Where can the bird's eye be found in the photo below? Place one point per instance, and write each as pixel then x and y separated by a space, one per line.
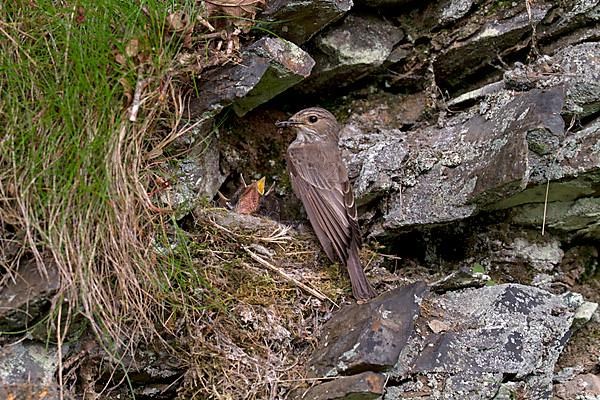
pixel 312 119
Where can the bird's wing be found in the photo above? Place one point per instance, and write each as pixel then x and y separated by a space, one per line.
pixel 320 180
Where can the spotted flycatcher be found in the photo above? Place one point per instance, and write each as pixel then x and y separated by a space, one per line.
pixel 320 179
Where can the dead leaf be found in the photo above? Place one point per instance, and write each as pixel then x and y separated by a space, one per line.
pixel 127 91
pixel 241 11
pixel 205 23
pixel 120 58
pixel 80 18
pixel 438 326
pixel 178 21
pixel 132 48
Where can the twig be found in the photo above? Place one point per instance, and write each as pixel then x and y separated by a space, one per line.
pixel 137 97
pixel 533 28
pixel 545 206
pixel 571 124
pixel 295 281
pixel 212 35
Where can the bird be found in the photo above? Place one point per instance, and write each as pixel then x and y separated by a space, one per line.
pixel 320 180
pixel 249 199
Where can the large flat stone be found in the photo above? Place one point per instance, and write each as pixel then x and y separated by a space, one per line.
pixel 506 335
pixel 351 50
pixel 370 336
pixel 445 174
pixel 27 298
pixel 268 67
pixel 298 21
pixel 364 386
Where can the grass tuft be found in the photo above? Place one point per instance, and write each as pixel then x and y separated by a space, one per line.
pixel 91 97
pixel 73 178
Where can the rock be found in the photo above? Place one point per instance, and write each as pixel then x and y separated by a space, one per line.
pixel 584 314
pixel 454 10
pixel 464 277
pixel 543 256
pixel 511 334
pixel 27 298
pixel 372 159
pixel 297 21
pixel 466 39
pixel 370 336
pixel 152 372
pixel 577 22
pixel 27 371
pixel 584 387
pixel 196 176
pixel 579 216
pixel 465 57
pixel 268 67
pixel 385 3
pixel 351 50
pixel 477 94
pixel 574 67
pixel 438 175
pixel 453 171
pixel 579 263
pixel 382 110
pixel 364 386
pixel 581 72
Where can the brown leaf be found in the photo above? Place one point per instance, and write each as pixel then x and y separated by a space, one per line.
pixel 234 8
pixel 132 48
pixel 127 91
pixel 120 58
pixel 80 17
pixel 178 21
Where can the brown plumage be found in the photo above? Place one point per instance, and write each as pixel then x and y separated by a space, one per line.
pixel 320 179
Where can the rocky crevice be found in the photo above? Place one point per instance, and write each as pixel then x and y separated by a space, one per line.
pixel 468 125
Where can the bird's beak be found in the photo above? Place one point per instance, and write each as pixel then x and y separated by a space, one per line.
pixel 289 122
pixel 260 186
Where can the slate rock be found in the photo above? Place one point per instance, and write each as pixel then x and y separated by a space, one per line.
pixel 454 10
pixel 297 21
pixel 198 175
pixel 370 336
pixel 268 67
pixel 387 3
pixel 27 298
pixel 572 202
pixel 581 71
pixel 499 154
pixel 542 254
pixel 574 67
pixel 350 51
pixel 497 335
pixel 584 314
pixel 364 386
pixel 443 174
pixel 27 371
pixel 463 58
pixel 578 23
pixel 464 277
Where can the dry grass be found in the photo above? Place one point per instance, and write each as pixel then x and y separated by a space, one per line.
pixel 256 345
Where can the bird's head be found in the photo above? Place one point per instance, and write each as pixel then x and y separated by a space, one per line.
pixel 312 125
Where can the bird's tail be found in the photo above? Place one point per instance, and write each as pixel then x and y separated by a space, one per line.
pixel 361 288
